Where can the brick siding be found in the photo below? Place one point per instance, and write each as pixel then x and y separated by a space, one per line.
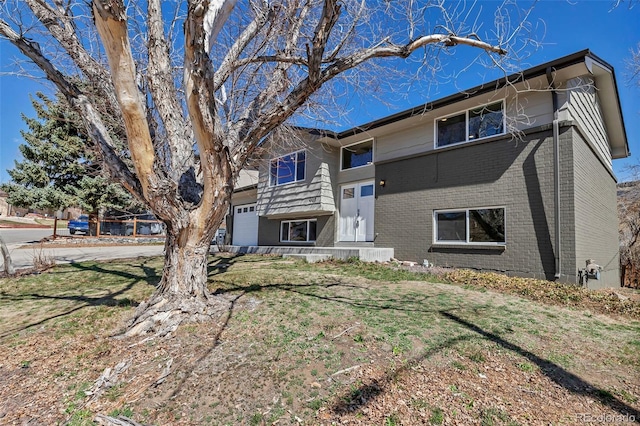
pixel 515 174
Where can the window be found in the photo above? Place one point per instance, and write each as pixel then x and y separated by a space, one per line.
pixel 470 125
pixel 469 226
pixel 366 190
pixel 357 155
pixel 298 230
pixel 286 169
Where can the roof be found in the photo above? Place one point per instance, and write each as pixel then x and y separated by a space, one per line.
pixel 587 62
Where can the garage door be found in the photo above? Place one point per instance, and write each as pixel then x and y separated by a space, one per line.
pixel 245 225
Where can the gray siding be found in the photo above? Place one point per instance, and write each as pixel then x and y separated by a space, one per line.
pixel 244 197
pixel 524 110
pixel 529 109
pixel 596 218
pixel 269 232
pixel 584 109
pixel 516 175
pixel 404 143
pixel 315 194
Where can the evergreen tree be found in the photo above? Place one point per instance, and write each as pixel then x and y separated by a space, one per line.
pixel 59 168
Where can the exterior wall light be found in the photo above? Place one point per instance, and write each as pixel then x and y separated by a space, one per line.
pixel 383 182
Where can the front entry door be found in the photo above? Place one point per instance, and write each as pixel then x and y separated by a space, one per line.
pixel 356 211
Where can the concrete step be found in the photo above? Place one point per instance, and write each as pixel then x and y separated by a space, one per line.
pixel 366 254
pixel 311 258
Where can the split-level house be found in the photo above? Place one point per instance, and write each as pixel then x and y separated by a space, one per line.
pixel 513 176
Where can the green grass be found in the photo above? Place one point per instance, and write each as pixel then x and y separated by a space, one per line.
pixel 437 416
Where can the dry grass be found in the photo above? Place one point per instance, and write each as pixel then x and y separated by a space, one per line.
pixel 335 343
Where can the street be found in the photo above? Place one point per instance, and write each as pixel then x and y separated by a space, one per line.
pixel 23 247
pixel 27 235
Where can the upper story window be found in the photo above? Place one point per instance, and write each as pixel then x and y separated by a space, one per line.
pixel 288 168
pixel 357 155
pixel 470 125
pixel 468 226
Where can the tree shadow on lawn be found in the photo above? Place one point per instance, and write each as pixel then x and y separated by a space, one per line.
pixel 149 276
pixel 188 368
pixel 219 264
pixel 559 375
pixel 362 396
pixel 315 290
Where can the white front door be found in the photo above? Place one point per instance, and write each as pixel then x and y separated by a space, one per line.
pixel 356 211
pixel 245 225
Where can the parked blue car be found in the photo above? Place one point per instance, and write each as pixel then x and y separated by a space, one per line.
pixel 81 224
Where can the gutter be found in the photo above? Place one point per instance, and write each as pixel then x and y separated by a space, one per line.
pixel 556 172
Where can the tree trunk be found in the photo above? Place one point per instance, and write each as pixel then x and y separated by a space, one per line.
pixel 8 264
pixel 182 294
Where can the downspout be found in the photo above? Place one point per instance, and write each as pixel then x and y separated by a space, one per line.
pixel 556 172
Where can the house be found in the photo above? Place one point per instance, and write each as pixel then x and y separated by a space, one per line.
pixel 513 176
pixel 8 209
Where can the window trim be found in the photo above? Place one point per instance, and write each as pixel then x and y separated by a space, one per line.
pixel 373 152
pixel 295 172
pixel 467 242
pixel 466 115
pixel 282 222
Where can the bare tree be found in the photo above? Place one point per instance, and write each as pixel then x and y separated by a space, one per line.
pixel 196 103
pixel 6 257
pixel 629 230
pixel 633 65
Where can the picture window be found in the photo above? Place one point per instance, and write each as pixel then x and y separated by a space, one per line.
pixel 470 226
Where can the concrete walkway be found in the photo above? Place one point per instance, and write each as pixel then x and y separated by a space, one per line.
pixel 22 255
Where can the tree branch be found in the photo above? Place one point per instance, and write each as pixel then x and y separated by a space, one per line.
pixel 328 19
pixel 96 129
pixel 110 21
pixel 165 96
pixel 217 13
pixel 198 82
pixel 403 51
pixel 61 27
pixel 276 115
pixel 229 63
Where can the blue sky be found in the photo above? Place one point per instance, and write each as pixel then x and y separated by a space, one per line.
pixel 563 27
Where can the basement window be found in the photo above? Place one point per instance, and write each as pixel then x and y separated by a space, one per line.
pixel 298 231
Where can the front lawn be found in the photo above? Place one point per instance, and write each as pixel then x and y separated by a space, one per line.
pixel 331 343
